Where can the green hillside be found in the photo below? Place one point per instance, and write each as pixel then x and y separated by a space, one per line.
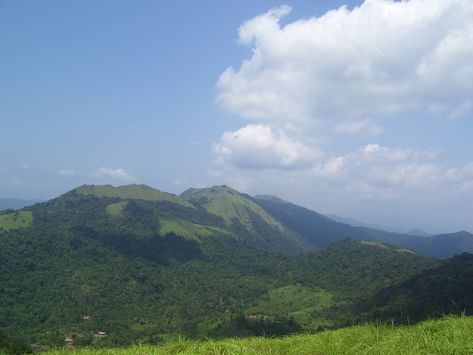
pixel 131 192
pixel 130 265
pixel 447 336
pixel 446 289
pixel 246 219
pixel 229 204
pixel 15 220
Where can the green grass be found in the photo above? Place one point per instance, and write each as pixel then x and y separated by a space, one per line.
pixel 227 203
pixel 450 335
pixel 187 229
pixel 15 220
pixel 296 301
pixel 131 192
pixel 115 209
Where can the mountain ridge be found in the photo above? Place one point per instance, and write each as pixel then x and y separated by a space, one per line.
pixel 131 191
pixel 143 267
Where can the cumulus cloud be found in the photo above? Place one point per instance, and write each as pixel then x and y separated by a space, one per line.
pixel 377 59
pixel 263 147
pixel 382 170
pixel 372 171
pixel 119 174
pixel 380 167
pixel 310 81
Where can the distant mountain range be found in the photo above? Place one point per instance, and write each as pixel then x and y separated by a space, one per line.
pixel 355 223
pixel 15 203
pixel 141 265
pixel 320 230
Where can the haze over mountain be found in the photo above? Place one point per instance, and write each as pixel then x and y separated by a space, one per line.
pixel 323 230
pixel 15 203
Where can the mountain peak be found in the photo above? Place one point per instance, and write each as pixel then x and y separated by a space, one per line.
pixel 221 200
pixel 192 192
pixel 245 217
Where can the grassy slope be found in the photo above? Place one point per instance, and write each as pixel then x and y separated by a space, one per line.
pixel 295 301
pixel 15 220
pixel 136 192
pixel 245 217
pixel 227 203
pixel 450 335
pixel 187 229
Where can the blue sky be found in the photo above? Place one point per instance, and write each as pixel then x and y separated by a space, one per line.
pixel 365 111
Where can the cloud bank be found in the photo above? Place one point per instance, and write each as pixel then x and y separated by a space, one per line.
pixel 311 82
pixel 375 60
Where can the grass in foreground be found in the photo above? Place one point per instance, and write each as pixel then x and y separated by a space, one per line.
pixel 451 335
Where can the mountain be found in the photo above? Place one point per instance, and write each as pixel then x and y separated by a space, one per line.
pixel 15 203
pixel 247 220
pixel 417 232
pixel 356 223
pixel 315 228
pixel 445 289
pixel 142 265
pixel 131 192
pixel 320 230
pixel 437 246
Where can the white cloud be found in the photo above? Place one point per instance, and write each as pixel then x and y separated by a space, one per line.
pixel 119 174
pixel 263 147
pixel 373 171
pixel 463 177
pixel 461 110
pixel 377 59
pixel 364 128
pixel 382 167
pixel 308 81
pixel 68 172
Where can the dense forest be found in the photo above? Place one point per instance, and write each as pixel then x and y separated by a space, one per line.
pixel 141 265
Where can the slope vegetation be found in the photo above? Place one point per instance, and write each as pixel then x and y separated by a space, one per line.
pixel 319 230
pixel 446 289
pixel 131 192
pixel 246 219
pixel 446 336
pixel 134 277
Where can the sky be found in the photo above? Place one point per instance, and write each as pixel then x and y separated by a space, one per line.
pixel 359 108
